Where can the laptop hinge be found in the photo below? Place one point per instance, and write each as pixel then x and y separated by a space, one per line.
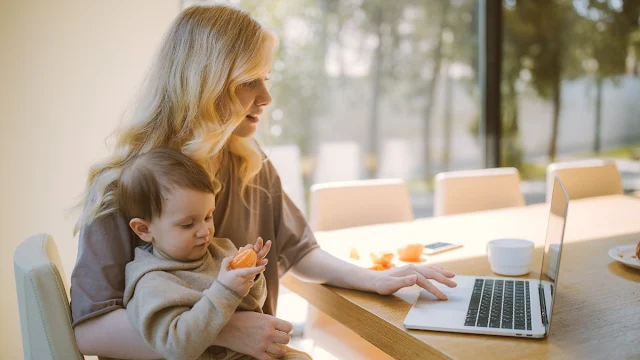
pixel 543 305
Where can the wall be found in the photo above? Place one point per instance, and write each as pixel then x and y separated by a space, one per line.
pixel 69 68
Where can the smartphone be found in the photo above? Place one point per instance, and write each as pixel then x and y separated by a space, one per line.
pixel 438 247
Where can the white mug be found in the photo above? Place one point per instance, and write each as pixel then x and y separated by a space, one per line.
pixel 511 257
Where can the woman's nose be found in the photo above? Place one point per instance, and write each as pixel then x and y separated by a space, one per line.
pixel 263 98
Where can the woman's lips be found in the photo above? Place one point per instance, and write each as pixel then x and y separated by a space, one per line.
pixel 253 119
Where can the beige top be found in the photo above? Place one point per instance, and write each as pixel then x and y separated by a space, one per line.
pixel 179 307
pixel 106 245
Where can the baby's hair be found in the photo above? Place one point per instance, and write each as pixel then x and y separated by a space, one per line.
pixel 142 183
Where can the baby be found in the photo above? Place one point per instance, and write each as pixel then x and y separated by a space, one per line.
pixel 180 290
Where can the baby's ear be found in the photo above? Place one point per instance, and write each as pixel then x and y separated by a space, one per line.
pixel 141 228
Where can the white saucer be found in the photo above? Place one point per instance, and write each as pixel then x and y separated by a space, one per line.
pixel 627 251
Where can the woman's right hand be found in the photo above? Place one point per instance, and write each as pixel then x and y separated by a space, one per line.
pixel 239 280
pixel 255 334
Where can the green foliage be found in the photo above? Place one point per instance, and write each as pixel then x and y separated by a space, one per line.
pixel 555 40
pixel 408 43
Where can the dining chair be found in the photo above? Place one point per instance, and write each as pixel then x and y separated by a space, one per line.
pixel 340 205
pixel 43 303
pixel 458 192
pixel 586 178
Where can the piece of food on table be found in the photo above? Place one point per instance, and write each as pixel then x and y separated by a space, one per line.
pixel 243 259
pixel 638 250
pixel 384 259
pixel 410 253
pixel 382 262
pixel 354 254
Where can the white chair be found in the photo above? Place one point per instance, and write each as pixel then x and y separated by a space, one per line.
pixel 458 192
pixel 45 314
pixel 288 162
pixel 346 204
pixel 586 178
pixel 338 161
pixel 339 205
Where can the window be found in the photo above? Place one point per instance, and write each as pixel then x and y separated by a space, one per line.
pixel 389 85
pixel 570 86
pixel 392 87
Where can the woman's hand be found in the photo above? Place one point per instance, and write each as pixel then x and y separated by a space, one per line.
pixel 392 280
pixel 255 334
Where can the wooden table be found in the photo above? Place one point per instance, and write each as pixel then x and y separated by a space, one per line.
pixel 597 309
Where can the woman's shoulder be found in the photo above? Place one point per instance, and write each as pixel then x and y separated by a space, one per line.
pixel 107 233
pixel 112 223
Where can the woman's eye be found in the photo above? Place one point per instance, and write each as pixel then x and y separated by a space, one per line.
pixel 187 226
pixel 251 83
pixel 208 218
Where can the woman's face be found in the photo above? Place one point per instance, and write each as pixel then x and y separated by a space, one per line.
pixel 253 96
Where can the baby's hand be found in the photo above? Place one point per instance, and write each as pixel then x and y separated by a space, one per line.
pixel 239 280
pixel 262 250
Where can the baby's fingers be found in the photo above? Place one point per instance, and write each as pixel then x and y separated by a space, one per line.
pixel 225 263
pixel 250 272
pixel 258 245
pixel 248 246
pixel 265 250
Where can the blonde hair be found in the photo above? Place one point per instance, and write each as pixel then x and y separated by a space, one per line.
pixel 188 101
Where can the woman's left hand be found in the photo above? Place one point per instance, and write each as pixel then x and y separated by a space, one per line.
pixel 392 280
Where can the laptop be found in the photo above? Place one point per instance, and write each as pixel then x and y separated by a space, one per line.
pixel 500 305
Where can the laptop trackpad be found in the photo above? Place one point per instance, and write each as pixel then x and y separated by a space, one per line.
pixel 458 299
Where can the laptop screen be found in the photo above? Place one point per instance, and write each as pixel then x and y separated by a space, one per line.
pixel 553 243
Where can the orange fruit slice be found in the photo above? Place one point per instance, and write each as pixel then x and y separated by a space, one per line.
pixel 384 259
pixel 243 259
pixel 410 253
pixel 354 254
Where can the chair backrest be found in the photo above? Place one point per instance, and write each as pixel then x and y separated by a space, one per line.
pixel 465 191
pixel 45 314
pixel 337 161
pixel 288 162
pixel 357 203
pixel 586 178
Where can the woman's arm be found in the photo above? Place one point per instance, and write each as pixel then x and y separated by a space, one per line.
pixel 98 335
pixel 101 326
pixel 321 267
pixel 248 332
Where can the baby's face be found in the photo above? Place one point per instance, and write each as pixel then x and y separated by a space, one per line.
pixel 185 228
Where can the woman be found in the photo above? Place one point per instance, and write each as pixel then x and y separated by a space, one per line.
pixel 204 96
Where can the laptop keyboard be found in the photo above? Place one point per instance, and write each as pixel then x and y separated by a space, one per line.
pixel 501 304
